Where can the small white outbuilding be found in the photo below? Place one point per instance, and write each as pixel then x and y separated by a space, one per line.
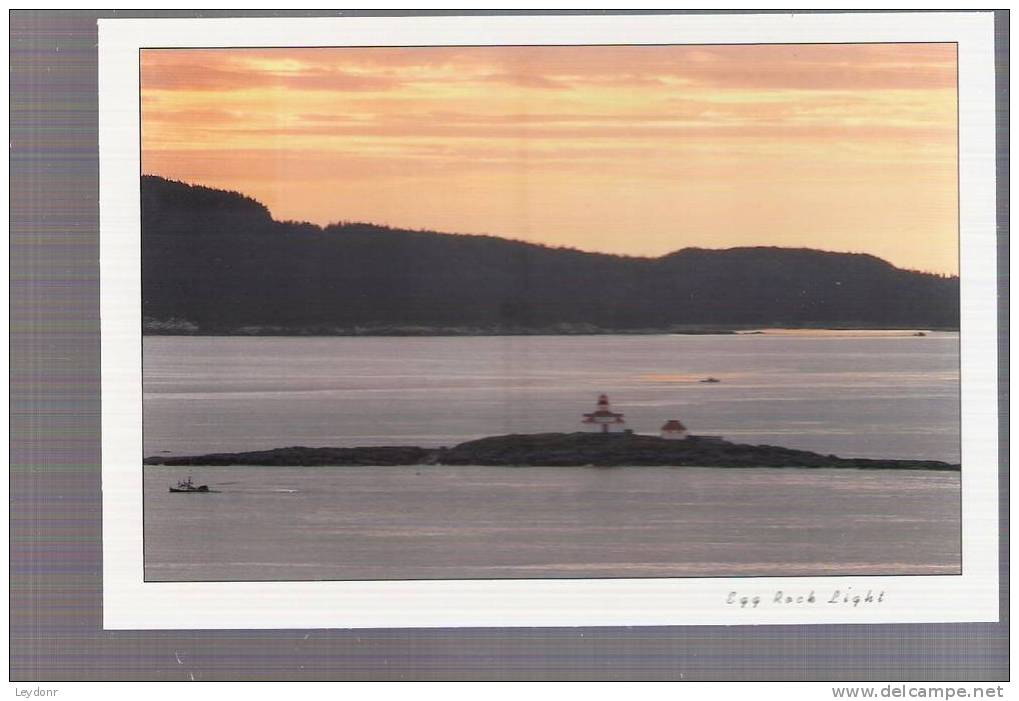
pixel 674 430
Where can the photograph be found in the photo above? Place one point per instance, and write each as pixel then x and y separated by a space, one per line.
pixel 499 346
pixel 550 312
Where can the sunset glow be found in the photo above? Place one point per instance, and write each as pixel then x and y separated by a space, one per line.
pixel 632 150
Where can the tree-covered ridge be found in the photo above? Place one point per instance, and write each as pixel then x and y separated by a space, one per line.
pixel 216 262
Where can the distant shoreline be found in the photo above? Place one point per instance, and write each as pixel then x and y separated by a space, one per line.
pixel 216 261
pixel 181 328
pixel 556 450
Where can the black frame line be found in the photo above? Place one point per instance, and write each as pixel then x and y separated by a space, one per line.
pixel 958 184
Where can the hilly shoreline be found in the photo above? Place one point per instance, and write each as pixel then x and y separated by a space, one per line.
pixel 216 263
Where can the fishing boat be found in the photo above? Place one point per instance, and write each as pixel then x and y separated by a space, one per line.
pixel 188 486
pixel 710 380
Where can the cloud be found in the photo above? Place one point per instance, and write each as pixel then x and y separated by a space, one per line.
pixel 655 138
pixel 203 116
pixel 523 80
pixel 822 67
pixel 223 71
pixel 637 131
pixel 762 67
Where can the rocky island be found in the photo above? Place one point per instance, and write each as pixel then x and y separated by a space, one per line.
pixel 558 450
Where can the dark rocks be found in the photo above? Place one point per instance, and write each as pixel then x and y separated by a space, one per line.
pixel 621 449
pixel 560 449
pixel 299 455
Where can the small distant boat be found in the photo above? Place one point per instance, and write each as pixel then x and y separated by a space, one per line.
pixel 188 486
pixel 919 333
pixel 710 380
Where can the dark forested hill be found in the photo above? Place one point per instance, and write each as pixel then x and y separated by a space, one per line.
pixel 216 262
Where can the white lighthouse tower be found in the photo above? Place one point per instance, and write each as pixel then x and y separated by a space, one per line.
pixel 604 417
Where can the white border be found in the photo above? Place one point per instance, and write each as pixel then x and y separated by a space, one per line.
pixel 130 603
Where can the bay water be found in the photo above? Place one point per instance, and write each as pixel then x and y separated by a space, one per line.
pixel 854 394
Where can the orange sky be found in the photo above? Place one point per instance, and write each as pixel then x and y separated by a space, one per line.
pixel 635 150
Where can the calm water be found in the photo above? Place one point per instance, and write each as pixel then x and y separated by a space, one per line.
pixel 860 395
pixel 863 396
pixel 503 522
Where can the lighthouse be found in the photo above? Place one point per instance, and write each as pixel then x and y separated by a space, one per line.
pixel 603 416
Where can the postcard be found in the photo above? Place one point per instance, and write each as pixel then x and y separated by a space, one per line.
pixel 548 321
